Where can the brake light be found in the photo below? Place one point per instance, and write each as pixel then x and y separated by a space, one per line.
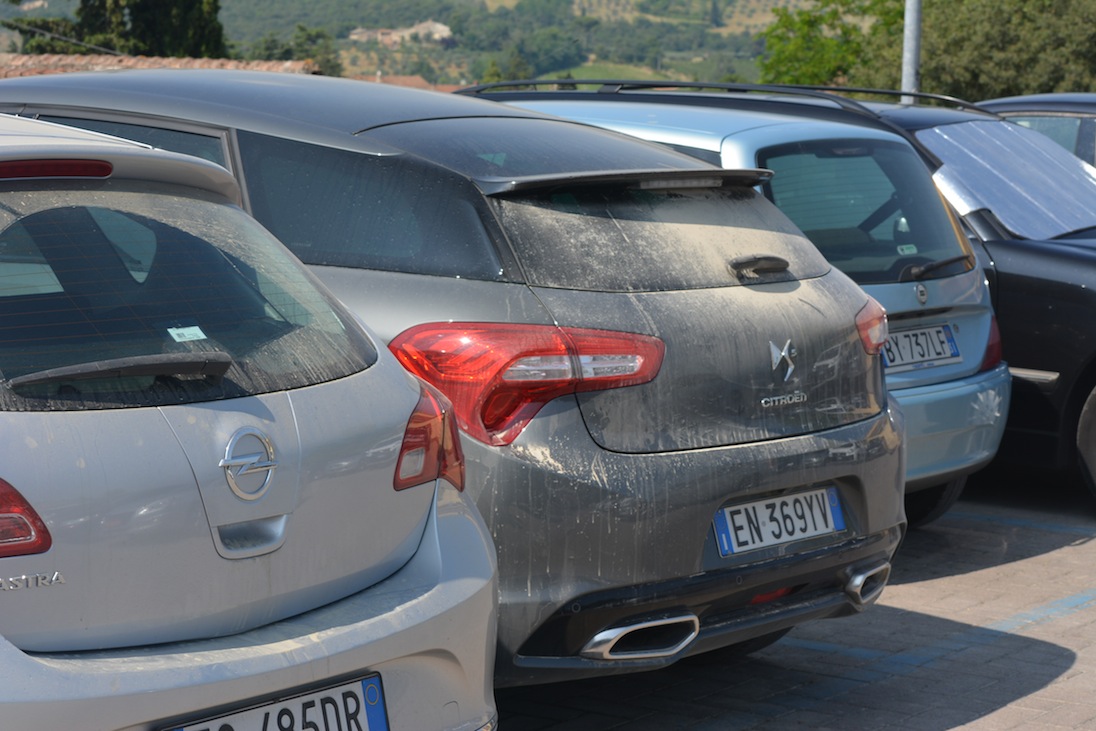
pixel 13 169
pixel 871 322
pixel 22 531
pixel 993 354
pixel 499 375
pixel 431 444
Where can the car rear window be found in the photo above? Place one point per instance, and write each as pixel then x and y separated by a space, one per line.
pixel 336 207
pixel 869 206
pixel 112 296
pixel 627 239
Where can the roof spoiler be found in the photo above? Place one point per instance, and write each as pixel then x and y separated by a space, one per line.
pixel 660 179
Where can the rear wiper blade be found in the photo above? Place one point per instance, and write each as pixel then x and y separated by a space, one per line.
pixel 920 272
pixel 212 364
pixel 756 265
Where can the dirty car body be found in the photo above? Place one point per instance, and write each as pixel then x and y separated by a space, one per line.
pixel 219 505
pixel 863 196
pixel 672 407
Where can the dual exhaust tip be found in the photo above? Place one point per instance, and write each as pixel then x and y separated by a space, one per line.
pixel 666 636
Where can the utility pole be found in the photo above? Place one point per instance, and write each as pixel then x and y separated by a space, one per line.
pixel 911 50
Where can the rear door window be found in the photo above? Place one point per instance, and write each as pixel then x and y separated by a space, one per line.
pixel 336 207
pixel 869 206
pixel 204 146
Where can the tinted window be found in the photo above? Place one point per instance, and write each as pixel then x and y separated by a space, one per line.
pixel 341 208
pixel 870 207
pixel 203 146
pixel 627 240
pixel 130 292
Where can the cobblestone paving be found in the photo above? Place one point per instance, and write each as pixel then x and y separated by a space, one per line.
pixel 989 622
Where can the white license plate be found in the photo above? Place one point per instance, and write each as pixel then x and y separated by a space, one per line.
pixel 924 348
pixel 765 523
pixel 357 705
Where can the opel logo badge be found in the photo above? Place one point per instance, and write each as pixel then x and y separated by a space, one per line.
pixel 783 356
pixel 249 463
pixel 922 293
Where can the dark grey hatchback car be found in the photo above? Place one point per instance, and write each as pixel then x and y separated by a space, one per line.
pixel 674 404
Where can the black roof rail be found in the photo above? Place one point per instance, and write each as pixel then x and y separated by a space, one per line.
pixel 612 86
pixel 838 95
pixel 927 96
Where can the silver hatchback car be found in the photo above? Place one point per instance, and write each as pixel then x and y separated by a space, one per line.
pixel 864 197
pixel 672 407
pixel 222 505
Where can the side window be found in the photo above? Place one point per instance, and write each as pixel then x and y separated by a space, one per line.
pixel 337 207
pixel 203 146
pixel 134 243
pixel 1063 130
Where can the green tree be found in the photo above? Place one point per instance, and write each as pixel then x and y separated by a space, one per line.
pixel 319 46
pixel 819 44
pixel 972 49
pixel 133 27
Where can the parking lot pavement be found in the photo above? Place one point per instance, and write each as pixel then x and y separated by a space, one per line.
pixel 989 622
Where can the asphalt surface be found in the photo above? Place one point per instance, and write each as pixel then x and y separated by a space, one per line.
pixel 989 622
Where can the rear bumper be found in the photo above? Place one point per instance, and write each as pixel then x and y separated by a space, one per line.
pixel 719 605
pixel 428 630
pixel 955 428
pixel 633 533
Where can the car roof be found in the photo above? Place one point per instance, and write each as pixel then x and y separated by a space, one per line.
pixel 23 140
pixel 1059 102
pixel 701 126
pixel 252 100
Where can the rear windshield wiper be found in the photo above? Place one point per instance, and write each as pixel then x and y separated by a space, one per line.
pixel 212 364
pixel 920 272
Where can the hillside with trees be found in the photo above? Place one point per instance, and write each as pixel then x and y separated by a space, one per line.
pixel 970 49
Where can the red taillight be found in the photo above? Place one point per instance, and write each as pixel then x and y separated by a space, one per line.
pixel 498 375
pixel 13 169
pixel 993 354
pixel 22 532
pixel 871 322
pixel 431 444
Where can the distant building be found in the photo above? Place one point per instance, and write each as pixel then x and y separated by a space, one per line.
pixel 428 30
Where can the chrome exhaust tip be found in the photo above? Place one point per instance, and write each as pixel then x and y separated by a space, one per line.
pixel 644 640
pixel 865 586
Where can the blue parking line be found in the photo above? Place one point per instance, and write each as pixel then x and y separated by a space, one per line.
pixel 884 666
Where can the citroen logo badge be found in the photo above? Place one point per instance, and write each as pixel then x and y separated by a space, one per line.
pixel 922 293
pixel 783 356
pixel 249 463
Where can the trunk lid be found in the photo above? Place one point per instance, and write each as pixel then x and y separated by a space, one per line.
pixel 153 545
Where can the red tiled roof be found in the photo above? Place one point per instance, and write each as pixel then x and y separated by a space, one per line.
pixel 28 64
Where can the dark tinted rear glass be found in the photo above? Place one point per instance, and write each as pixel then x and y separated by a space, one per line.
pixel 490 147
pixel 199 145
pixel 633 240
pixel 869 206
pixel 113 297
pixel 341 208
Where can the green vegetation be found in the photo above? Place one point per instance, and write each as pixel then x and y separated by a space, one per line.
pixel 970 48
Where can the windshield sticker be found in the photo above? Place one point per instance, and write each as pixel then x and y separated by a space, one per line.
pixel 186 334
pixel 907 249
